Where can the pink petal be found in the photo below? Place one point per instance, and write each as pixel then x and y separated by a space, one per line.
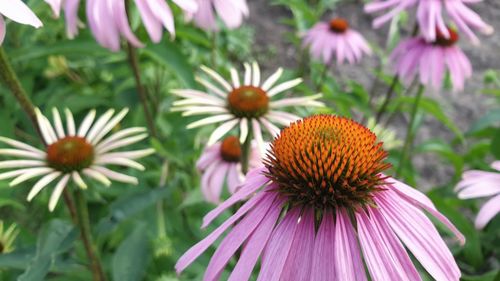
pixel 299 261
pixel 255 244
pixel 323 263
pixel 385 257
pixel 419 236
pixel 2 30
pixel 417 198
pixel 348 262
pixel 278 247
pixel 256 179
pixel 198 249
pixel 487 212
pixel 236 237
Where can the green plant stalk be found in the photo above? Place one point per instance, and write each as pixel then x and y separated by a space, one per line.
pixel 409 139
pixel 322 78
pixel 141 91
pixel 388 97
pixel 11 81
pixel 86 234
pixel 245 152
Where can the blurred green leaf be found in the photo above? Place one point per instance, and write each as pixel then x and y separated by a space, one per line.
pixel 490 119
pixel 495 144
pixel 54 239
pixel 170 56
pixel 445 151
pixel 132 257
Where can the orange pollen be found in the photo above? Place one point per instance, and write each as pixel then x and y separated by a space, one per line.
pixel 441 40
pixel 339 25
pixel 248 101
pixel 230 149
pixel 327 161
pixel 70 154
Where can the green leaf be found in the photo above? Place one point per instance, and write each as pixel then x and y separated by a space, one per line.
pixel 495 144
pixel 444 150
pixel 490 119
pixel 54 239
pixel 131 259
pixel 170 56
pixel 129 205
pixel 432 107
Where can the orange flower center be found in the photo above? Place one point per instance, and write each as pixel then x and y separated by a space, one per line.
pixel 248 101
pixel 327 161
pixel 230 149
pixel 339 25
pixel 70 154
pixel 441 40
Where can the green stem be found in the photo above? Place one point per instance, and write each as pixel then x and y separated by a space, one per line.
pixel 214 49
pixel 11 81
pixel 84 225
pixel 141 91
pixel 388 97
pixel 409 138
pixel 246 150
pixel 322 78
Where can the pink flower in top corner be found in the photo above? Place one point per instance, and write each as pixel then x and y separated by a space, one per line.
pixel 108 19
pixel 430 15
pixel 477 184
pixel 223 161
pixel 231 12
pixel 321 209
pixel 17 11
pixel 70 14
pixel 431 60
pixel 336 40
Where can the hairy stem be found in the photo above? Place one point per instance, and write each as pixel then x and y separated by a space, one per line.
pixel 86 234
pixel 409 134
pixel 11 81
pixel 141 91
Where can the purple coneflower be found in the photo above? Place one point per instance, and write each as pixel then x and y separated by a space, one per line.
pixel 108 19
pixel 245 103
pixel 414 56
pixel 17 11
pixel 321 206
pixel 231 12
pixel 430 15
pixel 335 39
pixel 477 184
pixel 71 153
pixel 223 161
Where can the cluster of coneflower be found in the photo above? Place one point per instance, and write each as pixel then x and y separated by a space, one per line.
pixel 316 202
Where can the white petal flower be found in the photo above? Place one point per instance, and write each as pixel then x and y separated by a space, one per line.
pixel 242 103
pixel 73 152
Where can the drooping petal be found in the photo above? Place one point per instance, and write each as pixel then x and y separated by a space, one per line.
pixel 279 246
pixel 19 12
pixel 489 210
pixel 323 263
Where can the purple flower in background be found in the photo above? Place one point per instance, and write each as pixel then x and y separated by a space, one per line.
pixel 431 60
pixel 231 12
pixel 430 15
pixel 477 184
pixel 223 161
pixel 70 14
pixel 321 206
pixel 17 11
pixel 335 39
pixel 109 22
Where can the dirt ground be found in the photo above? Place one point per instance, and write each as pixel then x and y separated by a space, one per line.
pixel 463 108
